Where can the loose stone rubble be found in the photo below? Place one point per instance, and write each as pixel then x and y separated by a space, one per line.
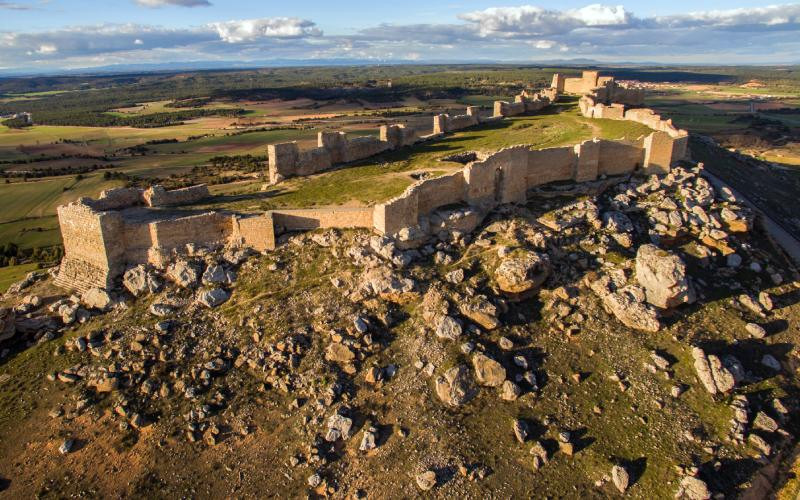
pixel 502 316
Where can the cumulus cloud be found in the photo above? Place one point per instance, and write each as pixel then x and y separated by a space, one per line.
pixel 523 33
pixel 179 3
pixel 250 30
pixel 537 21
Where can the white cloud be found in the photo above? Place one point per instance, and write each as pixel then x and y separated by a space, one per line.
pixel 532 20
pixel 525 33
pixel 250 30
pixel 47 48
pixel 544 44
pixel 179 3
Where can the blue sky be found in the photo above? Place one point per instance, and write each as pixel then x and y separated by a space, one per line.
pixel 39 34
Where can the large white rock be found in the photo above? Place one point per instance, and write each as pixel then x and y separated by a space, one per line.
pixel 97 298
pixel 139 280
pixel 663 276
pixel 183 274
pixel 213 298
pixel 455 388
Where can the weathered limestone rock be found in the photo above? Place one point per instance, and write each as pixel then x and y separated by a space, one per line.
pixel 217 275
pixel 509 391
pixel 139 281
pixel 383 282
pixel 213 298
pixel 663 276
pixel 339 427
pixel 523 272
pixel 183 274
pixel 434 304
pixel 481 311
pixel 717 376
pixel 7 325
pixel 455 388
pixel 448 328
pixel 693 488
pixel 426 480
pixel 97 298
pixel 339 353
pixel 765 423
pixel 620 477
pixel 488 371
pixel 626 304
pixel 520 428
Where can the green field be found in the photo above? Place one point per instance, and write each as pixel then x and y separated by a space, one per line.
pixel 11 274
pixel 27 209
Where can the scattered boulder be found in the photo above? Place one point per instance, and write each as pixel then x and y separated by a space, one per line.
pixel 520 428
pixel 7 323
pixel 434 304
pixel 368 439
pixel 183 274
pixel 339 353
pixel 426 480
pixel 339 427
pixel 626 304
pixel 765 423
pixel 488 372
pixel 383 282
pixel 455 388
pixel 522 272
pixel 663 276
pixel 139 281
pixel 217 275
pixel 509 391
pixel 693 488
pixel 66 446
pixel 213 298
pixel 448 328
pixel 97 298
pixel 481 311
pixel 755 330
pixel 620 478
pixel 717 376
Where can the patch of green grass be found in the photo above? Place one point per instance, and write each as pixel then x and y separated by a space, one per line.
pixel 11 274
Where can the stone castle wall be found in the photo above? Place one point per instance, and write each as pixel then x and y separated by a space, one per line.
pixel 288 160
pixel 604 88
pixel 124 227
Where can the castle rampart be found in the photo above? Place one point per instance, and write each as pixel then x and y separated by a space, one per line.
pixel 128 226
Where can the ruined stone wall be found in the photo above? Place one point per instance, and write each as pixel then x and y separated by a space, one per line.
pixel 399 135
pixel 93 246
pixel 364 147
pixel 506 176
pixel 115 199
pixel 550 165
pixel 208 229
pixel 314 218
pixel 439 191
pixel 254 231
pixel 617 158
pixel 311 161
pixel 158 196
pixel 505 108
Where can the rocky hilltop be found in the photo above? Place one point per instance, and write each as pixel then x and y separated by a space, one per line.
pixel 627 336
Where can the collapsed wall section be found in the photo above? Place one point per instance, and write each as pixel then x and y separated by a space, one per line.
pixel 158 196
